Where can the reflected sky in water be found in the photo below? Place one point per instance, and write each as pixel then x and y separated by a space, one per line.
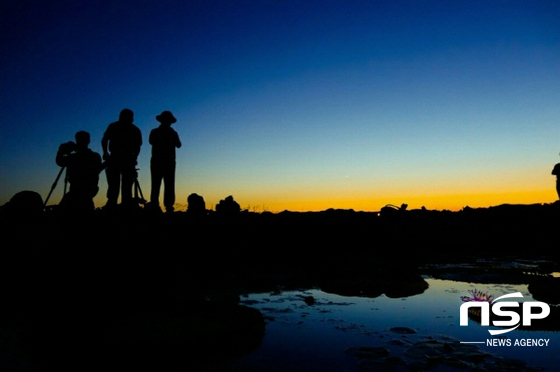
pixel 315 337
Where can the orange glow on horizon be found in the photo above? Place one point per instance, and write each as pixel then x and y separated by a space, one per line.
pixel 452 202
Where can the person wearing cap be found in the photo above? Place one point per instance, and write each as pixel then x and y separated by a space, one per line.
pixel 164 141
pixel 121 145
pixel 556 172
pixel 82 172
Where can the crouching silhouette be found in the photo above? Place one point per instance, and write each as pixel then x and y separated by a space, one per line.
pixel 82 173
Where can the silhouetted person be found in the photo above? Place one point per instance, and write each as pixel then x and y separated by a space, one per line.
pixel 121 145
pixel 228 207
pixel 164 141
pixel 82 172
pixel 23 203
pixel 196 205
pixel 556 172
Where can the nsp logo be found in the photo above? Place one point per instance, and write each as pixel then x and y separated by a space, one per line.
pixel 498 309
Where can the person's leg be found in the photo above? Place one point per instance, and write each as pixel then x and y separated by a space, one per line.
pixel 169 193
pixel 156 176
pixel 113 184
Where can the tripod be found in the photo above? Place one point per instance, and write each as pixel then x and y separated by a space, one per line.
pixel 138 195
pixel 54 185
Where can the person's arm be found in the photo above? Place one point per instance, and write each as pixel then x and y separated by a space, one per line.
pixel 101 165
pixel 139 142
pixel 104 142
pixel 177 140
pixel 61 157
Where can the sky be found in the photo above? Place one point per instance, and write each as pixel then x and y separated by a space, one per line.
pixel 294 105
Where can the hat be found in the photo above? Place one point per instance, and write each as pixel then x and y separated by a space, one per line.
pixel 166 117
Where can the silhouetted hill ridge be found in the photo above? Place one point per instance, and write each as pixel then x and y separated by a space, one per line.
pixel 417 232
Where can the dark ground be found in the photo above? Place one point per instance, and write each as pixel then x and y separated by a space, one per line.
pixel 139 285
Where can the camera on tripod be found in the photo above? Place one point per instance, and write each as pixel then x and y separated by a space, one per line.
pixel 68 147
pixel 138 195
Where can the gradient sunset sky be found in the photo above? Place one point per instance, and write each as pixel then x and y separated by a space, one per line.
pixel 297 105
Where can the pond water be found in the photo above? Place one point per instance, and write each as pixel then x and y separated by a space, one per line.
pixel 311 330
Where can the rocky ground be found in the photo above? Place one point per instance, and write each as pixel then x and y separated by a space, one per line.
pixel 101 285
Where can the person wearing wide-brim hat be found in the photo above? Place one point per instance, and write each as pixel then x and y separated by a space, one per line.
pixel 164 141
pixel 166 117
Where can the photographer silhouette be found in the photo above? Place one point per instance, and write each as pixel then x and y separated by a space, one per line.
pixel 121 144
pixel 82 172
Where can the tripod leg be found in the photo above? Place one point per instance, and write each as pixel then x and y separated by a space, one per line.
pixel 65 182
pixel 137 190
pixel 54 186
pixel 135 186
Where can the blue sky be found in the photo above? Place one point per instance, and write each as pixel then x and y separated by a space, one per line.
pixel 299 105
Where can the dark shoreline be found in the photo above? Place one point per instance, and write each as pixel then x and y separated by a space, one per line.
pixel 127 274
pixel 254 251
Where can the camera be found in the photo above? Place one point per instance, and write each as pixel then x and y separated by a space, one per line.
pixel 67 147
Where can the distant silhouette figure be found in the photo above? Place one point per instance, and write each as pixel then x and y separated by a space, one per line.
pixel 121 145
pixel 24 203
pixel 228 207
pixel 164 141
pixel 556 172
pixel 82 172
pixel 196 205
pixel 393 210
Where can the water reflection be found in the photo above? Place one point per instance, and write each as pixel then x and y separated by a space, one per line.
pixel 317 330
pixel 348 281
